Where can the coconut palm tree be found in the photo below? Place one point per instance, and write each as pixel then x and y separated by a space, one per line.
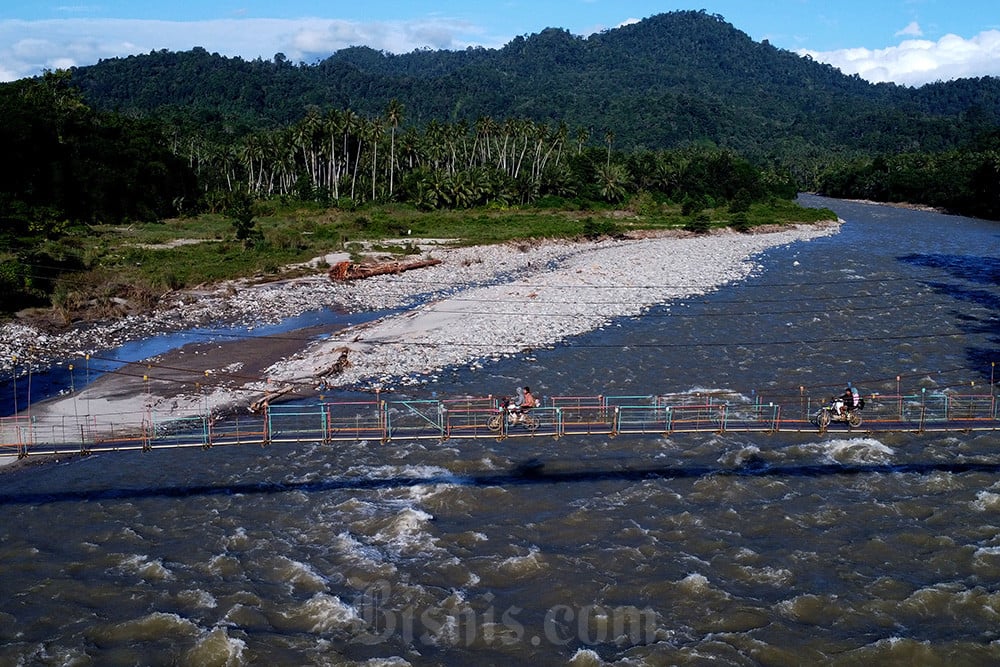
pixel 306 132
pixel 333 122
pixel 352 128
pixel 393 116
pixel 582 137
pixel 613 182
pixel 375 131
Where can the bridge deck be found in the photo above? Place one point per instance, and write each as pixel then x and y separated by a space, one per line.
pixel 467 418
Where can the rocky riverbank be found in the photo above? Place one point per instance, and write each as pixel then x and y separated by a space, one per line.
pixel 530 298
pixel 479 303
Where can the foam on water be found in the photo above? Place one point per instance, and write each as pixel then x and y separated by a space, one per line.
pixel 773 576
pixel 216 648
pixel 198 598
pixel 354 507
pixel 223 565
pixel 392 661
pixel 523 564
pixel 986 501
pixel 695 584
pixel 152 627
pixel 366 557
pixel 408 471
pixel 907 651
pixel 987 552
pixel 404 534
pixel 141 565
pixel 952 601
pixel 585 657
pixel 299 576
pixel 46 654
pixel 699 390
pixel 853 450
pixel 746 455
pixel 811 609
pixel 322 613
pixel 238 541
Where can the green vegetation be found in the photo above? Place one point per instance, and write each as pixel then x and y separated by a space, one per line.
pixel 118 270
pixel 328 181
pixel 963 181
pixel 267 163
pixel 671 80
pixel 679 79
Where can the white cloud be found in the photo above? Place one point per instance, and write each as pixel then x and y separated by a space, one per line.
pixel 28 47
pixel 911 30
pixel 915 62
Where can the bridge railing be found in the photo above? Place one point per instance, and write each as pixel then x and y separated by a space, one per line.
pixel 355 420
pixel 16 435
pixel 468 417
pixel 927 409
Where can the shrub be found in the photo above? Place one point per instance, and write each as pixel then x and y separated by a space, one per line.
pixel 690 206
pixel 700 224
pixel 741 223
pixel 593 229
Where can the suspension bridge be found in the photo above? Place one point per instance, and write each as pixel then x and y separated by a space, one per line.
pixel 387 421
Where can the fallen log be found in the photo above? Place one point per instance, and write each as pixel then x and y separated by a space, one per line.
pixel 338 366
pixel 261 403
pixel 355 271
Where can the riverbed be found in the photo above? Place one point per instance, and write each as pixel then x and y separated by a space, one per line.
pixel 681 549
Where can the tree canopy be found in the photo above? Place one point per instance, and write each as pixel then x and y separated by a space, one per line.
pixel 670 80
pixel 680 108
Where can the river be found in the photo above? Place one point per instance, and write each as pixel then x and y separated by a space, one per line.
pixel 689 549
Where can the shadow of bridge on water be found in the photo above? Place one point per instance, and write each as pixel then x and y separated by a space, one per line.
pixel 531 472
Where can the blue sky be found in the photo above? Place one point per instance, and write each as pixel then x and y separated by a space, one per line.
pixel 910 42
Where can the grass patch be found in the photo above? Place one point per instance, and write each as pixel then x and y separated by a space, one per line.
pixel 139 261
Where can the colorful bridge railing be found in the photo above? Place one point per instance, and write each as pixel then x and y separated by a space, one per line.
pixel 385 421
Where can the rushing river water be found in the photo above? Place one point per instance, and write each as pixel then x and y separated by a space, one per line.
pixel 688 549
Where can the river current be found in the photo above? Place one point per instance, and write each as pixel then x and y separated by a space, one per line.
pixel 698 549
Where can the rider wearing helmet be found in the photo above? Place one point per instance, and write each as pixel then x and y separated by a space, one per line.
pixel 845 400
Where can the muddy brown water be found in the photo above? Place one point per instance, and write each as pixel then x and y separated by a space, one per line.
pixel 683 549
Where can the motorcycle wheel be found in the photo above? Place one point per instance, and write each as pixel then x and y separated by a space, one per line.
pixel 824 419
pixel 854 419
pixel 495 422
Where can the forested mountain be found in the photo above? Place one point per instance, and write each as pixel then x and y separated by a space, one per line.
pixel 666 81
pixel 679 116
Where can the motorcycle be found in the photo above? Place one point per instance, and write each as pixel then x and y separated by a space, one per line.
pixel 828 413
pixel 514 417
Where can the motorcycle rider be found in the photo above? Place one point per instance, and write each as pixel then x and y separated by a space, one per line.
pixel 845 400
pixel 525 401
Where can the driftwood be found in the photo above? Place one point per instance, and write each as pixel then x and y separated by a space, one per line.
pixel 261 403
pixel 338 366
pixel 354 271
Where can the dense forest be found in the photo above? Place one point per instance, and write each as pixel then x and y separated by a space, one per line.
pixel 672 80
pixel 666 81
pixel 77 169
pixel 965 180
pixel 680 108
